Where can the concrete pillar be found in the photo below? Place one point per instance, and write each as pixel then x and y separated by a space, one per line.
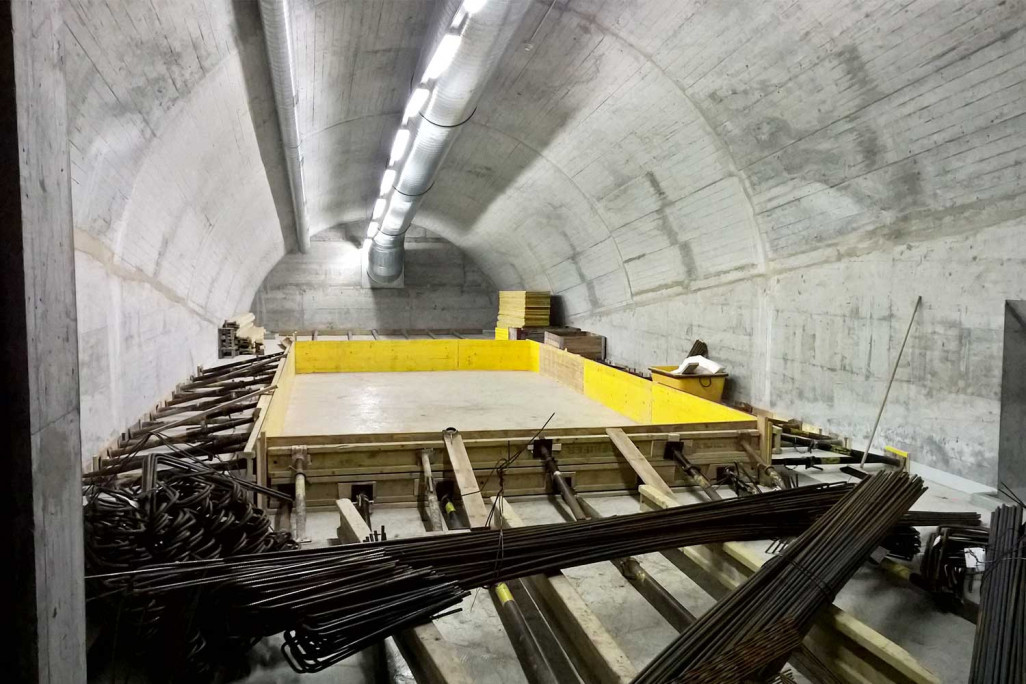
pixel 40 495
pixel 1012 444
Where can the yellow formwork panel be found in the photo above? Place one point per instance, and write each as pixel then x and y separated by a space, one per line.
pixel 626 394
pixel 383 356
pixel 497 355
pixel 376 356
pixel 674 406
pixel 639 399
pixel 502 333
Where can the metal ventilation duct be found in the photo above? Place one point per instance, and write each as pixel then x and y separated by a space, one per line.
pixel 485 29
pixel 275 17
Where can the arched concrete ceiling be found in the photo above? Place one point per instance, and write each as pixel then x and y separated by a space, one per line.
pixel 645 148
pixel 634 148
pixel 180 200
pixel 655 147
pixel 628 153
pixel 176 154
pixel 171 126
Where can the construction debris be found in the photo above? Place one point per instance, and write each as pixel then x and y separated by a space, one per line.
pixel 240 336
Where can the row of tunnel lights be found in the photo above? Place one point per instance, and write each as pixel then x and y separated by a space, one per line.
pixel 439 62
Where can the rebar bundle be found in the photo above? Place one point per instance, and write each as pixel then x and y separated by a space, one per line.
pixel 180 512
pixel 788 590
pixel 903 541
pixel 999 652
pixel 335 601
pixel 210 416
pixel 943 570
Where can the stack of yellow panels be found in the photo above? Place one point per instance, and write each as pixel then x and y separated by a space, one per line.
pixel 519 309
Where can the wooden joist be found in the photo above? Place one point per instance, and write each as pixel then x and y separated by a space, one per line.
pixel 566 605
pixel 431 658
pixel 637 460
pixel 466 481
pixel 853 651
pixel 591 642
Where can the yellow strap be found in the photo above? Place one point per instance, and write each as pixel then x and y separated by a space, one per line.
pixel 896 452
pixel 502 591
pixel 449 508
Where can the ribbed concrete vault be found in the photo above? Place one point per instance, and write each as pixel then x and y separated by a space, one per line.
pixel 779 179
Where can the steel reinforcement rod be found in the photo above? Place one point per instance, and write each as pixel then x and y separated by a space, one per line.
pixel 787 591
pixel 999 651
pixel 533 661
pixel 644 583
pixel 675 451
pixel 332 602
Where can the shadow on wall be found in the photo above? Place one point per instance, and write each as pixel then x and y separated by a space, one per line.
pixel 323 289
pixel 256 74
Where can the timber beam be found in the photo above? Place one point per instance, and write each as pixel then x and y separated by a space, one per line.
pixel 852 650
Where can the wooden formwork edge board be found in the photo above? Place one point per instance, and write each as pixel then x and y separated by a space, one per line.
pixel 261 408
pixel 416 444
pixel 833 623
pixel 685 430
pixel 593 642
pixel 428 654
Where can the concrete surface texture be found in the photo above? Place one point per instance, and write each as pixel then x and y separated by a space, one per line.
pixel 778 179
pixel 323 289
pixel 179 195
pixel 940 641
pixel 1012 453
pixel 43 589
pixel 346 403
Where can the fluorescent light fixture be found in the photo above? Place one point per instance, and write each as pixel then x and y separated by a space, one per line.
pixel 416 103
pixel 373 229
pixel 387 181
pixel 379 208
pixel 393 221
pixel 444 54
pixel 402 140
pixel 472 7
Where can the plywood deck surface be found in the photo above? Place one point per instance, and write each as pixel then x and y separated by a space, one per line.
pixel 347 403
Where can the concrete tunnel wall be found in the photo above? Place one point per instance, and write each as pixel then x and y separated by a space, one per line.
pixel 323 289
pixel 174 210
pixel 778 180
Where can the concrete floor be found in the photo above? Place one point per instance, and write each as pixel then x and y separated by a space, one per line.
pixel 940 641
pixel 346 403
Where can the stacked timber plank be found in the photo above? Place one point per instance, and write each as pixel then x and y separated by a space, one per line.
pixel 582 342
pixel 522 309
pixel 240 335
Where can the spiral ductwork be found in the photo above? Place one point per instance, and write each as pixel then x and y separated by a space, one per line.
pixel 452 100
